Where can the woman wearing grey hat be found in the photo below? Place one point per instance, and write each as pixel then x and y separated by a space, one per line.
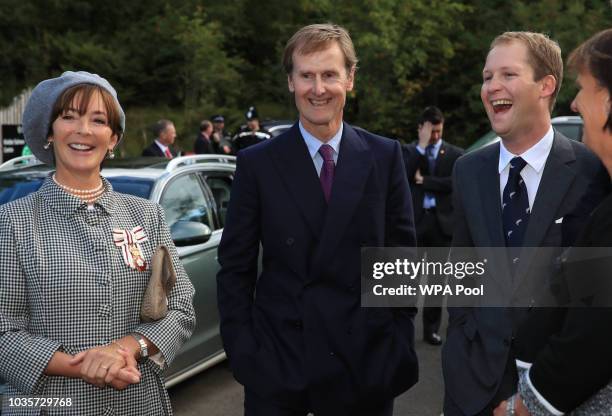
pixel 75 259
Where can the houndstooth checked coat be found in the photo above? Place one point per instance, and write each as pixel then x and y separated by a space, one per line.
pixel 64 286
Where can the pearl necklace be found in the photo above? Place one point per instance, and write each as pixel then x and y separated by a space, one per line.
pixel 84 192
pixel 88 196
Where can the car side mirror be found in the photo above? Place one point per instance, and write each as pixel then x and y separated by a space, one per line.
pixel 187 233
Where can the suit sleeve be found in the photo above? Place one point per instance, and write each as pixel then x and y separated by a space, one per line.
pixel 412 161
pixel 461 235
pixel 171 332
pixel 238 255
pixel 399 222
pixel 24 355
pixel 576 363
pixel 441 184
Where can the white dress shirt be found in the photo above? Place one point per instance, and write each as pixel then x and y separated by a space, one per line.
pixel 535 157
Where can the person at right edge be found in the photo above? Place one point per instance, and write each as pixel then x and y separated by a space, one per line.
pixel 535 188
pixel 565 355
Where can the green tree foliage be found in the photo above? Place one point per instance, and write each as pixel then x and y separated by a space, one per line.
pixel 188 59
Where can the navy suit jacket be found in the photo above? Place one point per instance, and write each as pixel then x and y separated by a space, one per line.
pixel 298 326
pixel 479 339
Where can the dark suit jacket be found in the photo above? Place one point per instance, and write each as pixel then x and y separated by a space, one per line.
pixel 203 145
pixel 479 339
pixel 155 151
pixel 569 348
pixel 299 326
pixel 439 182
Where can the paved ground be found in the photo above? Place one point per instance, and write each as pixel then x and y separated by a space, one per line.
pixel 216 393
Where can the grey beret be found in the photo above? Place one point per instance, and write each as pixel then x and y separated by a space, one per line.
pixel 37 113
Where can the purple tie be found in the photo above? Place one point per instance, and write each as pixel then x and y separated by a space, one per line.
pixel 327 170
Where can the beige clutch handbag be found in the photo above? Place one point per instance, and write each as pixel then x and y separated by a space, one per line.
pixel 155 299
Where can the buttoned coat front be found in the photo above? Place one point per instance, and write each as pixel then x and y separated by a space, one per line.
pixel 65 286
pixel 299 328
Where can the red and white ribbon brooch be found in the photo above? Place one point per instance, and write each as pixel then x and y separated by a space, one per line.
pixel 129 242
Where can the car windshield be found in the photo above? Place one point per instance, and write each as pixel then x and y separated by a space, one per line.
pixel 15 187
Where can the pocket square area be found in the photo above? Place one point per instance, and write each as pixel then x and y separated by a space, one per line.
pixel 559 221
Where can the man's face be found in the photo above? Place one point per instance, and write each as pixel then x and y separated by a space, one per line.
pixel 513 100
pixel 218 126
pixel 319 82
pixel 436 133
pixel 253 124
pixel 168 135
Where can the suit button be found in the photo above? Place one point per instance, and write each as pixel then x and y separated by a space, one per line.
pixel 351 288
pixel 507 342
pixel 290 241
pixel 331 354
pixel 298 325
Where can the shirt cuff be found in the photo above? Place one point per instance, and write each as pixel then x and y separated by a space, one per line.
pixel 535 402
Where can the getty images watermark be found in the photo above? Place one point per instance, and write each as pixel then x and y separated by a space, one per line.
pixel 487 276
pixel 412 270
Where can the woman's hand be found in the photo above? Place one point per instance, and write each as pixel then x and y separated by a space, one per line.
pixel 126 375
pixel 103 365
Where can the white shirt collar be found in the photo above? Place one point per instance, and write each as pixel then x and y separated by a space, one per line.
pixel 161 146
pixel 535 156
pixel 314 144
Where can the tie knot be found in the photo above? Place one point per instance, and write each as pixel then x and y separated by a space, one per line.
pixel 327 152
pixel 516 165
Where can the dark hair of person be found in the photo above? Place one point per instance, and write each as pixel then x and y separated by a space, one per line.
pixel 160 126
pixel 78 97
pixel 432 114
pixel 595 56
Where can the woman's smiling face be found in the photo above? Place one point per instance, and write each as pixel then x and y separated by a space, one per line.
pixel 82 135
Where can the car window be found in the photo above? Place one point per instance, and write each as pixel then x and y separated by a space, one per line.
pixel 12 189
pixel 572 131
pixel 183 200
pixel 132 186
pixel 220 185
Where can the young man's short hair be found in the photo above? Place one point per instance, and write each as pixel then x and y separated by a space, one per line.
pixel 543 54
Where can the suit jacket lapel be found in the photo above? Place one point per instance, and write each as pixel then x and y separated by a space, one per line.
pixel 556 179
pixel 296 169
pixel 488 187
pixel 440 159
pixel 350 176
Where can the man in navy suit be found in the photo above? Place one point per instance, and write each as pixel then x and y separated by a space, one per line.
pixel 535 188
pixel 296 335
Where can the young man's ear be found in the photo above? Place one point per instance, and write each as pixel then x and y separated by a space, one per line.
pixel 290 83
pixel 549 83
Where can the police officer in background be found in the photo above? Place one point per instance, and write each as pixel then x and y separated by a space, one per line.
pixel 250 134
pixel 220 137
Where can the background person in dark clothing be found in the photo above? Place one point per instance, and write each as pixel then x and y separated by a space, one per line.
pixel 250 134
pixel 220 137
pixel 429 166
pixel 165 134
pixel 203 143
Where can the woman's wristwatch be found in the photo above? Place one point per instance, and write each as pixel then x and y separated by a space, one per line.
pixel 144 350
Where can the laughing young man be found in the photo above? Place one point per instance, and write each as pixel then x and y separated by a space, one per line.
pixel 534 188
pixel 295 335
